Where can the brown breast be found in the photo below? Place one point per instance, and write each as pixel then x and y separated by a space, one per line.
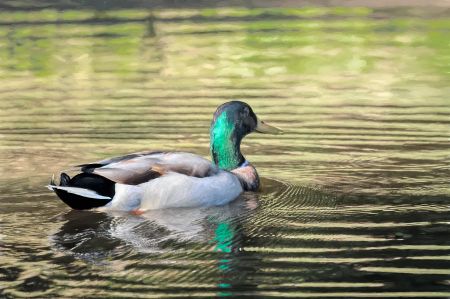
pixel 248 177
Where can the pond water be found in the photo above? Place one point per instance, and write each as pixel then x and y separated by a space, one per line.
pixel 355 195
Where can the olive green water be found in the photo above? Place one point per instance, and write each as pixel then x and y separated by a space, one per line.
pixel 355 196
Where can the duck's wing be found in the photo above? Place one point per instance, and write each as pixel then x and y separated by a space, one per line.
pixel 137 168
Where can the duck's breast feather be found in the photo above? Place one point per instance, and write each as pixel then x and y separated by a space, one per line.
pixel 142 167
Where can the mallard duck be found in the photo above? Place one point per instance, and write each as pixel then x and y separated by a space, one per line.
pixel 162 179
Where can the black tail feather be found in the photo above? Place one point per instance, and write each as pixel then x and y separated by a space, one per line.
pixel 101 185
pixel 64 180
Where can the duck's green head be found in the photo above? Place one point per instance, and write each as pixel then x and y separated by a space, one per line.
pixel 232 122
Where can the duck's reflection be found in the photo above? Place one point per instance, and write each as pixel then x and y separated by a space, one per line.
pixel 151 240
pixel 178 229
pixel 170 234
pixel 87 233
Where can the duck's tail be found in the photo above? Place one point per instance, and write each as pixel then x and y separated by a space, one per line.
pixel 84 191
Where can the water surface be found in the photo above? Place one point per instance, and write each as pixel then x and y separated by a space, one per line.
pixel 354 200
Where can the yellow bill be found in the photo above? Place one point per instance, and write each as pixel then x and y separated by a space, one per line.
pixel 262 127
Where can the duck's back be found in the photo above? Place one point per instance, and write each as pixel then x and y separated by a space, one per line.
pixel 138 168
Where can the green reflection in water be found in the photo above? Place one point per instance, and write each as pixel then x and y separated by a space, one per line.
pixel 224 236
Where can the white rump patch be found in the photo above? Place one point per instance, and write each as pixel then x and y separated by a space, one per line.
pixel 127 198
pixel 79 191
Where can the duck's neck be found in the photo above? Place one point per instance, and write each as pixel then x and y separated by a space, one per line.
pixel 225 144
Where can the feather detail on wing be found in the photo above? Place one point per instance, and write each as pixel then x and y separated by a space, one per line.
pixel 137 168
